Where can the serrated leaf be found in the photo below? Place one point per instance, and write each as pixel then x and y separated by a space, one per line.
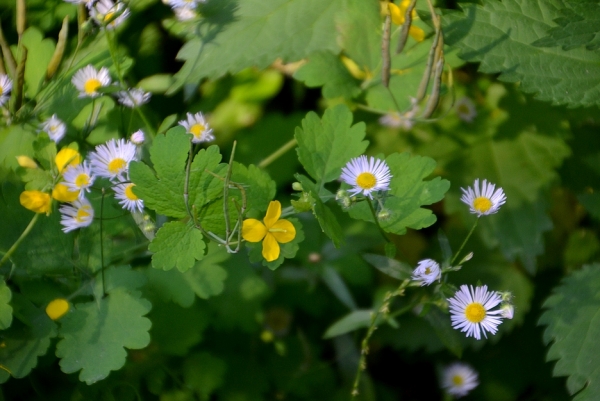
pixel 325 69
pixel 355 320
pixel 578 26
pixel 204 188
pixel 257 183
pixel 500 35
pixel 39 53
pixel 572 318
pixel 5 308
pixel 170 285
pixel 207 276
pixel 95 334
pixel 391 267
pixel 233 36
pixel 326 144
pixel 325 217
pixel 162 190
pixel 178 245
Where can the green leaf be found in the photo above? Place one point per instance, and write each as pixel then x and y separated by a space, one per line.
pixel 170 285
pixel 257 183
pixel 178 245
pixel 26 339
pixel 355 320
pixel 233 36
pixel 326 144
pixel 325 69
pixel 39 53
pixel 447 335
pixel 163 191
pixel 391 267
pixel 338 287
pixel 204 187
pixel 95 334
pixel 325 217
pixel 578 26
pixel 5 308
pixel 573 327
pixel 501 35
pixel 207 276
pixel 204 373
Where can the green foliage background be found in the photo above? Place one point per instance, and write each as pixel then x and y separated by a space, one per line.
pixel 177 318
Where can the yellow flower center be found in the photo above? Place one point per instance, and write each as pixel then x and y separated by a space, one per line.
pixel 463 109
pixel 82 214
pixel 475 312
pixel 1 90
pixel 57 308
pixel 482 204
pixel 53 128
pixel 117 165
pixel 427 271
pixel 91 85
pixel 108 16
pixel 129 193
pixel 82 180
pixel 366 180
pixel 457 380
pixel 197 130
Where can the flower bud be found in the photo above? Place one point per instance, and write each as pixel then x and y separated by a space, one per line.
pixel 341 194
pixel 508 311
pixel 26 162
pixel 138 138
pixel 383 215
pixel 296 186
pixel 36 201
pixel 57 308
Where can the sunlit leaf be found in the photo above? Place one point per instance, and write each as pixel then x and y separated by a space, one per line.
pixel 177 245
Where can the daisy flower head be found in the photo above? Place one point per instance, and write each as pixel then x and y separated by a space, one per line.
pixel 470 311
pixel 465 109
pixel 79 178
pixel 109 14
pixel 133 97
pixel 55 128
pixel 198 127
pixel 458 379
pixel 185 13
pixel 78 214
pixel 427 271
pixel 111 160
pixel 366 175
pixel 127 199
pixel 88 80
pixel 483 200
pixel 5 88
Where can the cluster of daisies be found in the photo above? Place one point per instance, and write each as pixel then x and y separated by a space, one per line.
pixel 105 13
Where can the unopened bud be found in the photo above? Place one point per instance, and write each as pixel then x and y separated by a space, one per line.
pixel 506 296
pixel 508 311
pixel 57 308
pixel 341 194
pixel 296 186
pixel 383 215
pixel 346 202
pixel 314 257
pixel 26 162
pixel 468 257
pixel 138 138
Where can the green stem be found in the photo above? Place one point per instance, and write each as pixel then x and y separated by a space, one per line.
pixel 102 244
pixel 26 232
pixel 464 242
pixel 151 129
pixel 383 234
pixel 278 153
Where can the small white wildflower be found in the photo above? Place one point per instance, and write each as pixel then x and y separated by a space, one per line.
pixel 184 13
pixel 109 14
pixel 366 175
pixel 127 199
pixel 458 379
pixel 79 178
pixel 76 215
pixel 485 200
pixel 508 311
pixel 55 128
pixel 112 159
pixel 198 127
pixel 427 271
pixel 88 80
pixel 470 311
pixel 465 109
pixel 5 89
pixel 133 97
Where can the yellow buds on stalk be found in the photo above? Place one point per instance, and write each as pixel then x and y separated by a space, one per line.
pixel 60 49
pixel 57 308
pixel 26 162
pixel 36 201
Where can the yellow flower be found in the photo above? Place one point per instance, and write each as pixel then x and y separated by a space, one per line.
pixel 397 14
pixel 62 194
pixel 36 201
pixel 355 70
pixel 271 233
pixel 26 162
pixel 67 157
pixel 57 308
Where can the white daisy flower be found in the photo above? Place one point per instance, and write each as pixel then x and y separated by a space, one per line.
pixel 127 199
pixel 112 159
pixel 191 4
pixel 87 80
pixel 109 14
pixel 465 109
pixel 79 178
pixel 427 271
pixel 483 201
pixel 55 128
pixel 76 215
pixel 366 175
pixel 133 97
pixel 470 311
pixel 459 379
pixel 198 127
pixel 5 88
pixel 88 3
pixel 184 13
pixel 138 138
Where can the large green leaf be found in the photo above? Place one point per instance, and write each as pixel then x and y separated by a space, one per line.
pixel 501 36
pixel 326 69
pixel 177 245
pixel 5 308
pixel 234 35
pixel 573 327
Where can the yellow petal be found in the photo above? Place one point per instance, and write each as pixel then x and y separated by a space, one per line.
pixel 253 230
pixel 26 162
pixel 396 13
pixel 36 201
pixel 67 157
pixel 62 194
pixel 353 68
pixel 270 249
pixel 273 214
pixel 283 231
pixel 417 33
pixel 57 308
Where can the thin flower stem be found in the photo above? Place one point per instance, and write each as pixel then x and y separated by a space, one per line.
pixel 464 242
pixel 102 244
pixel 278 153
pixel 364 349
pixel 26 232
pixel 146 122
pixel 383 234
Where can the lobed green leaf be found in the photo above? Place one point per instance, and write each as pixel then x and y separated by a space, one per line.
pixel 177 244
